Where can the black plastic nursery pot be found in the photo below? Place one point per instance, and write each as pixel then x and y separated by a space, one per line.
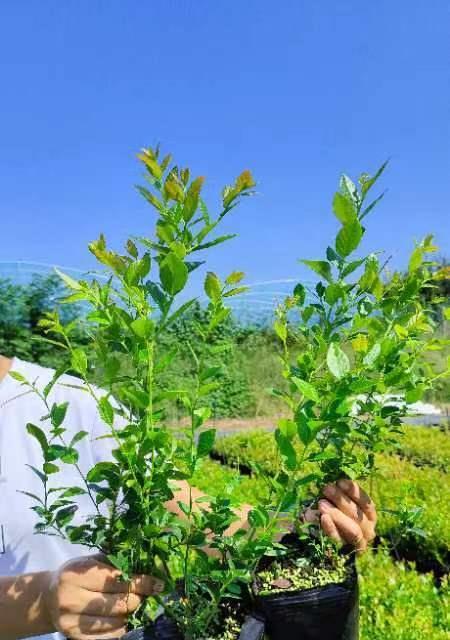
pixel 323 613
pixel 165 629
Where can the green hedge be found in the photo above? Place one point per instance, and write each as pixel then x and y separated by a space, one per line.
pixel 215 479
pixel 397 603
pixel 423 446
pixel 426 446
pixel 247 447
pixel 398 485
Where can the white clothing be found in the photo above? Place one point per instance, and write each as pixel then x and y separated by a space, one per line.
pixel 21 550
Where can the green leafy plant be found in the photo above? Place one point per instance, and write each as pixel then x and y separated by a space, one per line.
pixel 129 316
pixel 365 337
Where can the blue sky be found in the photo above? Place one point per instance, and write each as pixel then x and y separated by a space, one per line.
pixel 296 90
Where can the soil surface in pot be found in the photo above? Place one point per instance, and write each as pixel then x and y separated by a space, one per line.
pixel 298 570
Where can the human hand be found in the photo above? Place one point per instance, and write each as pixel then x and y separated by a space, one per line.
pixel 86 599
pixel 346 514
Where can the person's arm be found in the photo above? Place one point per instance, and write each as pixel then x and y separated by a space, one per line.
pixel 84 600
pixel 22 607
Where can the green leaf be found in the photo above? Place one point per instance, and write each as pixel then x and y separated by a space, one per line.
pixel 415 260
pixel 333 292
pixel 17 376
pixel 157 295
pixel 235 292
pixel 414 394
pixel 165 231
pixel 370 276
pixel 150 162
pixel 287 427
pixel 173 274
pixel 39 435
pixel 104 471
pixel 280 329
pixel 337 361
pixel 300 293
pixel 348 238
pixel 286 450
pixel 352 266
pixel 58 413
pixel 142 327
pixel 401 331
pixel 78 437
pixel 344 208
pixel 70 282
pixel 205 442
pixel 201 415
pixel 348 189
pixel 79 361
pixel 138 270
pixel 50 468
pixel 192 198
pixel 39 474
pixel 372 355
pixel 321 267
pixel 235 277
pixel 306 388
pixel 213 243
pixel 304 432
pixel 213 287
pixel 371 206
pixel 332 256
pixel 307 429
pixel 148 195
pixel 33 496
pixel 65 515
pixel 367 182
pixel 106 411
pixel 71 492
pixel 132 248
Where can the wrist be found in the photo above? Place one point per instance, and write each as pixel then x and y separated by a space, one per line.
pixel 46 589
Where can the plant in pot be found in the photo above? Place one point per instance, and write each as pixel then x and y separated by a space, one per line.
pixel 363 338
pixel 127 315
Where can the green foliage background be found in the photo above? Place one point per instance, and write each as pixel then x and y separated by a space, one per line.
pixel 250 355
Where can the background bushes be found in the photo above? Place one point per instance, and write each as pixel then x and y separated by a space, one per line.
pixel 250 363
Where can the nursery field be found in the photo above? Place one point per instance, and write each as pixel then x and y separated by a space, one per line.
pixel 404 580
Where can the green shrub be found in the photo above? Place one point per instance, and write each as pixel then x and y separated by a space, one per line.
pixel 214 478
pixel 246 448
pixel 398 603
pixel 399 488
pixel 426 446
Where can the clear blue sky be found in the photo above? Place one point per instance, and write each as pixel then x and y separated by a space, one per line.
pixel 296 90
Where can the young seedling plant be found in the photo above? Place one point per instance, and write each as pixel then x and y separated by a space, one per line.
pixel 364 335
pixel 127 315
